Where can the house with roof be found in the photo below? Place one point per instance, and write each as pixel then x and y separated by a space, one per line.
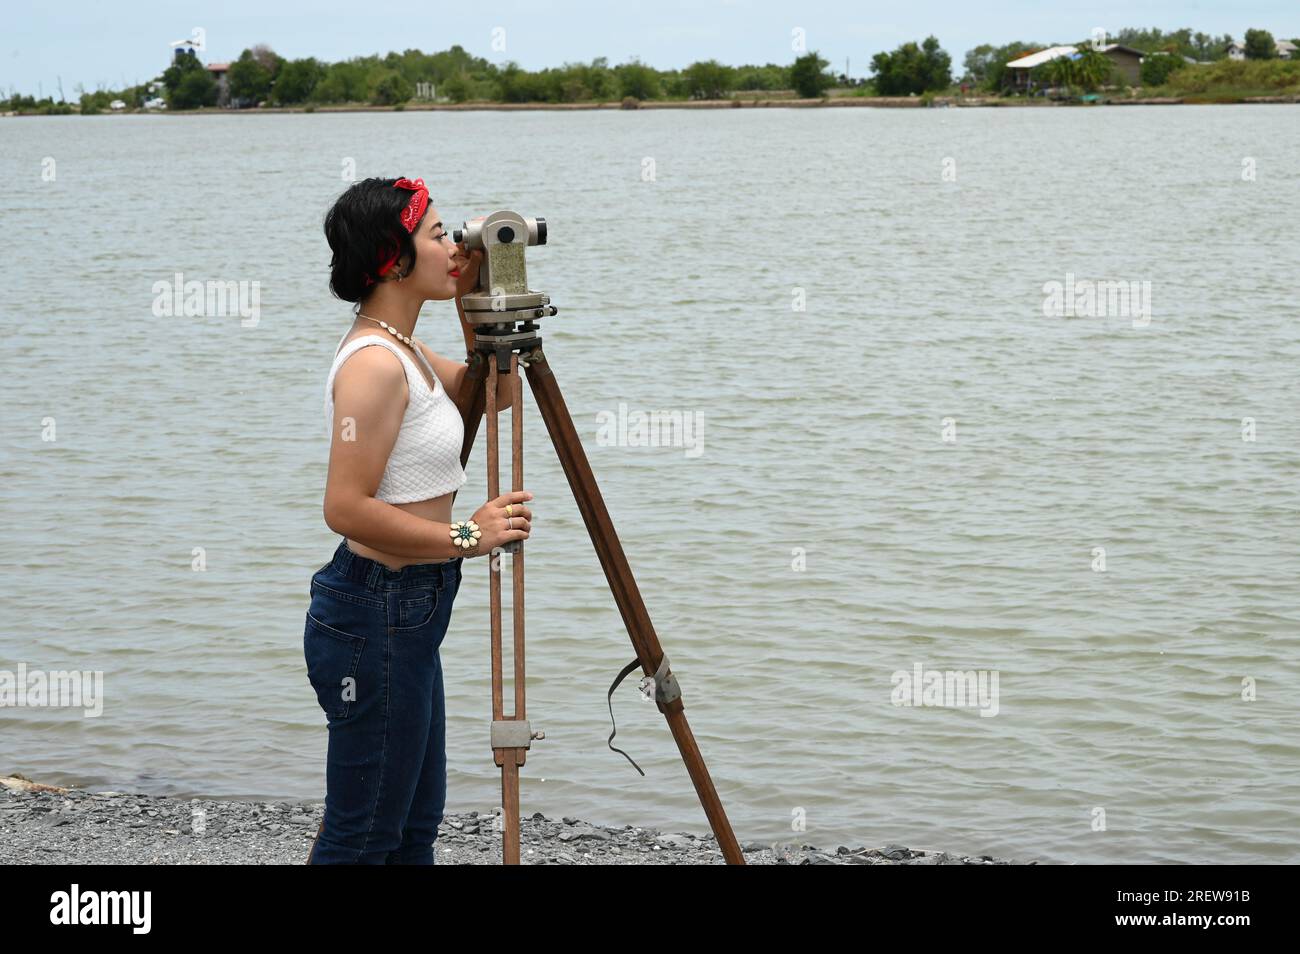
pixel 219 72
pixel 1286 50
pixel 1126 60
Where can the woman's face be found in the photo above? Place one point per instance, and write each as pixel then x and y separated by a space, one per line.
pixel 436 258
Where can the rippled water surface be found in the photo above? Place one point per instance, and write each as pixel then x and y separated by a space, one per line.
pixel 899 461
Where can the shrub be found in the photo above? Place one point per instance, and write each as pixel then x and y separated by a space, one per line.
pixel 1156 68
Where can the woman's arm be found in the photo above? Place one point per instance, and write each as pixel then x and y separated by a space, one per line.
pixel 370 396
pixel 504 396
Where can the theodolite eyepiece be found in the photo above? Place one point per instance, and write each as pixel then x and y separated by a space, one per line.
pixel 471 234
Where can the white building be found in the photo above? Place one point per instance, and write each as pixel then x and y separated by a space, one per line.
pixel 1285 50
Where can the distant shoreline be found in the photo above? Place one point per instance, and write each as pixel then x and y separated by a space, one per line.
pixel 866 102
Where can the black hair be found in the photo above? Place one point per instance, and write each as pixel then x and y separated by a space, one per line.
pixel 363 228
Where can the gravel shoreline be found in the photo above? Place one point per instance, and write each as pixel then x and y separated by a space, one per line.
pixel 46 824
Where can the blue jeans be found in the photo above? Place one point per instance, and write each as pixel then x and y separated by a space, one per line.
pixel 371 644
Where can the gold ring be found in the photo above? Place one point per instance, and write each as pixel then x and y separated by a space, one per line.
pixel 510 508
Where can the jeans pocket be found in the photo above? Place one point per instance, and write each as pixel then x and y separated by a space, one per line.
pixel 332 658
pixel 416 608
pixel 344 605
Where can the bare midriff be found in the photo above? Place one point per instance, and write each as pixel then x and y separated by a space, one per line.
pixel 436 508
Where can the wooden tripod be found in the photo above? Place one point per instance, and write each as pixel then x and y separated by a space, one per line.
pixel 511 734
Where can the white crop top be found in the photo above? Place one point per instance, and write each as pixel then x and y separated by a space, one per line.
pixel 425 459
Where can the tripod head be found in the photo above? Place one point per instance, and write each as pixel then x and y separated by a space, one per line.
pixel 503 296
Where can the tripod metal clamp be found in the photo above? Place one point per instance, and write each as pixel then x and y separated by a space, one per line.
pixel 665 683
pixel 514 734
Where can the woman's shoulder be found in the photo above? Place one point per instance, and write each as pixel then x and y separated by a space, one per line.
pixel 372 367
pixel 358 343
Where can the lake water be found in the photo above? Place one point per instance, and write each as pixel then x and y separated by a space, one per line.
pixel 901 461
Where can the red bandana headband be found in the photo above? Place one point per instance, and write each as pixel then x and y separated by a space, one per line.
pixel 410 217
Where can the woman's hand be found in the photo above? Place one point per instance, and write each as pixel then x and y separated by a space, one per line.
pixel 468 263
pixel 497 526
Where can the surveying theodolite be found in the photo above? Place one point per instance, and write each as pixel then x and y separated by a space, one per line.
pixel 504 312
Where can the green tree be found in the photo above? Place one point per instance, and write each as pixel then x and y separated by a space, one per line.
pixel 268 59
pixel 196 88
pixel 1155 40
pixel 771 76
pixel 390 87
pixel 1259 45
pixel 456 88
pixel 978 63
pixel 638 80
pixel 342 83
pixel 596 78
pixel 570 89
pixel 247 80
pixel 184 63
pixel 516 85
pixel 986 65
pixel 938 65
pixel 808 75
pixel 1156 68
pixel 96 102
pixel 1087 68
pixel 297 81
pixel 707 79
pixel 1092 68
pixel 1057 72
pixel 1200 46
pixel 912 69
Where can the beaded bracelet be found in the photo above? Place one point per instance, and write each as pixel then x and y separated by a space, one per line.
pixel 465 534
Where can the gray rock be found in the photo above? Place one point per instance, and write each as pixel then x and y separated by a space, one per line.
pixel 676 841
pixel 76 827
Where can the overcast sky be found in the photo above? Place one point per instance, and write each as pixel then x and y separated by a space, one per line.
pixel 115 44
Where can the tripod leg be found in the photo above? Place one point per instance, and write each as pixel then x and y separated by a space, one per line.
pixel 504 757
pixel 517 560
pixel 559 424
pixel 511 734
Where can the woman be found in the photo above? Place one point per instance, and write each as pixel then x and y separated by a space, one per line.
pixel 380 608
